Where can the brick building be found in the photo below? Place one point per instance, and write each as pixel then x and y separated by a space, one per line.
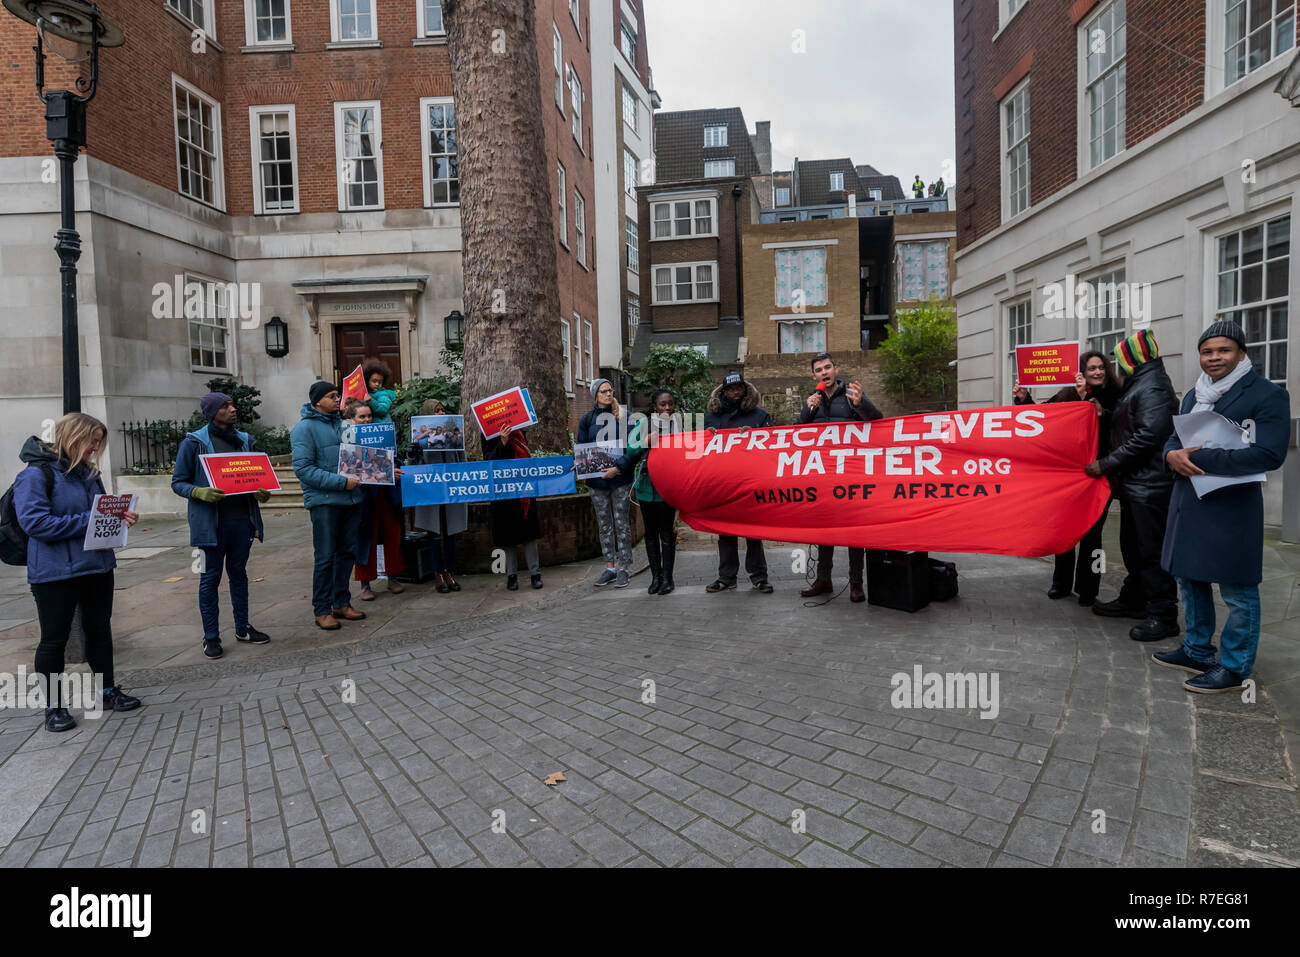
pixel 304 151
pixel 1138 152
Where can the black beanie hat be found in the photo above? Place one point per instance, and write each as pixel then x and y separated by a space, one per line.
pixel 320 389
pixel 1227 328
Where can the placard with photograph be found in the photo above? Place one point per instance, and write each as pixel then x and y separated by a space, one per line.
pixel 438 433
pixel 593 458
pixel 372 466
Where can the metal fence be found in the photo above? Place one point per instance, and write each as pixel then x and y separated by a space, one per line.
pixel 150 446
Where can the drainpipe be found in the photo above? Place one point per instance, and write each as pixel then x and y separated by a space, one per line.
pixel 736 193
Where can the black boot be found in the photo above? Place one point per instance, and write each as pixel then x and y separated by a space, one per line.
pixel 669 556
pixel 58 719
pixel 654 555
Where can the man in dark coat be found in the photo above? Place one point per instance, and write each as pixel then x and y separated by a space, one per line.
pixel 1142 422
pixel 734 405
pixel 833 401
pixel 1220 538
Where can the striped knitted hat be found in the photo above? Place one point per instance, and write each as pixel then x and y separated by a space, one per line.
pixel 1136 350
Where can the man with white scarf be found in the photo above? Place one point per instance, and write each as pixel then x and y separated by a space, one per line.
pixel 1220 538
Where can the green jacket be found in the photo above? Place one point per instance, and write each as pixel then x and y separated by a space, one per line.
pixel 381 402
pixel 638 450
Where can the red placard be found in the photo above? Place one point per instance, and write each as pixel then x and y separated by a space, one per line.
pixel 1047 363
pixel 1003 481
pixel 354 386
pixel 238 472
pixel 513 407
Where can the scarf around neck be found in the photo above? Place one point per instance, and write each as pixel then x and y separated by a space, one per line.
pixel 1208 392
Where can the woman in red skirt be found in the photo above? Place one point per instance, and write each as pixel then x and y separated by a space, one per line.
pixel 381 522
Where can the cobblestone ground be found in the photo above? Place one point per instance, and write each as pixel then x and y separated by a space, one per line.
pixel 771 740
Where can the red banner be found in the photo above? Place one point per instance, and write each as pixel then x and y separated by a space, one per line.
pixel 238 472
pixel 354 386
pixel 1005 481
pixel 1048 363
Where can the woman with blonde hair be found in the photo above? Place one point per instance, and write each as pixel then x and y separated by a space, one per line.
pixel 53 497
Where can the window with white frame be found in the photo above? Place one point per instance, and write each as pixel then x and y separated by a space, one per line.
pixel 208 317
pixel 1008 9
pixel 633 317
pixel 801 277
pixel 357 141
pixel 575 12
pixel 577 345
pixel 557 56
pixel 631 109
pixel 715 136
pixel 677 219
pixel 875 195
pixel 575 103
pixel 783 196
pixel 837 181
pixel 352 20
pixel 631 172
pixel 562 191
pixel 723 167
pixel 1015 152
pixel 267 21
pixel 588 356
pixel 922 269
pixel 632 238
pixel 1020 330
pixel 685 282
pixel 801 336
pixel 198 12
pixel 1107 311
pixel 431 24
pixel 1254 266
pixel 441 165
pixel 198 144
pixel 580 227
pixel 1254 32
pixel 275 159
pixel 565 349
pixel 1104 45
pixel 627 40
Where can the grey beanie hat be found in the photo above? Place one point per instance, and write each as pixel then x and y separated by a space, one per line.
pixel 1228 328
pixel 595 386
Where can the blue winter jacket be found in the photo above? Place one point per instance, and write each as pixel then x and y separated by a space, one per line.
pixel 188 474
pixel 590 430
pixel 56 523
pixel 315 442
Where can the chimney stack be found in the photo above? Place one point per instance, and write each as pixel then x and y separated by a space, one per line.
pixel 762 142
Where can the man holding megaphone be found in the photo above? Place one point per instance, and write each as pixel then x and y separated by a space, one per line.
pixel 836 402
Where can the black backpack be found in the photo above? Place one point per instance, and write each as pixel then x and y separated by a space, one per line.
pixel 13 540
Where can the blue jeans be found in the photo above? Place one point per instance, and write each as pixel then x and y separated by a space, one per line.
pixel 1240 637
pixel 334 530
pixel 234 542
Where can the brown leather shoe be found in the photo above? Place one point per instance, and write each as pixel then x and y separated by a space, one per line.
pixel 395 587
pixel 819 587
pixel 349 613
pixel 856 593
pixel 327 623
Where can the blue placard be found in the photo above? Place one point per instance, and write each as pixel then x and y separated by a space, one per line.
pixel 378 435
pixel 487 481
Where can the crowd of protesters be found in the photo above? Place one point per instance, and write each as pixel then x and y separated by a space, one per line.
pixel 1171 539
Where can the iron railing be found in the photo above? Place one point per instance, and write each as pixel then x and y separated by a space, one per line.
pixel 150 446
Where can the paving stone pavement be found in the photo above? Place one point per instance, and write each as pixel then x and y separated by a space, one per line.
pixel 770 740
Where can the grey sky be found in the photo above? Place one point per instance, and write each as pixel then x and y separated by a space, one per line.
pixel 876 82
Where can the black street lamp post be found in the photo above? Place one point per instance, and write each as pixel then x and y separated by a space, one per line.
pixel 79 22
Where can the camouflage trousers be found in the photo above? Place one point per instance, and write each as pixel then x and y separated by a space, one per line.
pixel 611 505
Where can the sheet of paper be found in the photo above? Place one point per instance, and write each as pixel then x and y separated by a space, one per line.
pixel 1210 430
pixel 106 528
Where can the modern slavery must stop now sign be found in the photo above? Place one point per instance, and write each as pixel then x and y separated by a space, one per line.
pixel 1047 363
pixel 1006 481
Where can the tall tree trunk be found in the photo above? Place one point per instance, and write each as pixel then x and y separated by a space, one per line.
pixel 512 307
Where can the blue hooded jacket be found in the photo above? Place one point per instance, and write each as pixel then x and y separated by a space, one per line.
pixel 56 523
pixel 315 442
pixel 589 430
pixel 188 474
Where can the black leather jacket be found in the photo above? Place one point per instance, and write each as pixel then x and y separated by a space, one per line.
pixel 1140 425
pixel 836 407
